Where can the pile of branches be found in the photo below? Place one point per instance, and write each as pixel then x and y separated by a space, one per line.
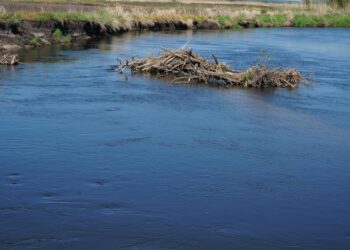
pixel 183 66
pixel 9 59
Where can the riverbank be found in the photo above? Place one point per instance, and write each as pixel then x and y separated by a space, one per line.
pixel 24 26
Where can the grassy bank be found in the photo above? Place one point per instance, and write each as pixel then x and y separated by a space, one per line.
pixel 218 17
pixel 34 23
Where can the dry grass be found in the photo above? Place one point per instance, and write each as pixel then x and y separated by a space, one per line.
pixel 117 16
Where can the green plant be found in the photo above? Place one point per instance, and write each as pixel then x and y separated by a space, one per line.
pixel 223 19
pixel 11 17
pixel 338 20
pixel 57 34
pixel 35 41
pixel 67 38
pixel 263 58
pixel 275 20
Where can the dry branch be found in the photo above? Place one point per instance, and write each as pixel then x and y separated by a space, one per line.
pixel 183 66
pixel 9 59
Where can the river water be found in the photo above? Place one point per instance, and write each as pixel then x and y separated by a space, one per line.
pixel 91 159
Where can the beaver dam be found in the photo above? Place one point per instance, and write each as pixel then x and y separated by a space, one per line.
pixel 184 66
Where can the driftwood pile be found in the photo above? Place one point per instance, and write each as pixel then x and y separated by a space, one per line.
pixel 183 66
pixel 9 59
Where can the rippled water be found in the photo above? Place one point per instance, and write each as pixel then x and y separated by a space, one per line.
pixel 91 159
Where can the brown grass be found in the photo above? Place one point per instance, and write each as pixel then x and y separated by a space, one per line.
pixel 266 15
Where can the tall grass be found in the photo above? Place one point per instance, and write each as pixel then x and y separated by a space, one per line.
pixel 276 20
pixel 342 4
pixel 11 17
pixel 297 15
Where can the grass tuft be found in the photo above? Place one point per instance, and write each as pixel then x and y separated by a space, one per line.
pixel 35 41
pixel 58 35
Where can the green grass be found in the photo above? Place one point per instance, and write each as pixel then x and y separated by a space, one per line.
pixel 118 17
pixel 272 20
pixel 338 20
pixel 61 16
pixel 229 21
pixel 58 35
pixel 11 17
pixel 35 41
pixel 224 20
pixel 308 21
pixel 101 16
pixel 67 38
pixel 328 20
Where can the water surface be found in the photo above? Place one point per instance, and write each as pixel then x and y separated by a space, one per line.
pixel 90 159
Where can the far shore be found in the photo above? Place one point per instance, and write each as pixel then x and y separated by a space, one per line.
pixel 34 23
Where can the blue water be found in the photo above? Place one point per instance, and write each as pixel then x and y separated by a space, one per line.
pixel 90 159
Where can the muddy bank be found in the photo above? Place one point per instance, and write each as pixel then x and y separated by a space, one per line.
pixel 30 34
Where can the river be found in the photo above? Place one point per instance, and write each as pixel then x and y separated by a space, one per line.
pixel 91 159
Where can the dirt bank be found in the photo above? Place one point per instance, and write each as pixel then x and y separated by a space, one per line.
pixel 29 34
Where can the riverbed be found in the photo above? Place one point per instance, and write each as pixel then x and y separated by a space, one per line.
pixel 91 159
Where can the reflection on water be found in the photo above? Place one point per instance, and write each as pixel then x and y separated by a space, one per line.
pixel 92 160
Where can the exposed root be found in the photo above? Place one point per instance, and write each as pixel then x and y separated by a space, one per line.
pixel 183 66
